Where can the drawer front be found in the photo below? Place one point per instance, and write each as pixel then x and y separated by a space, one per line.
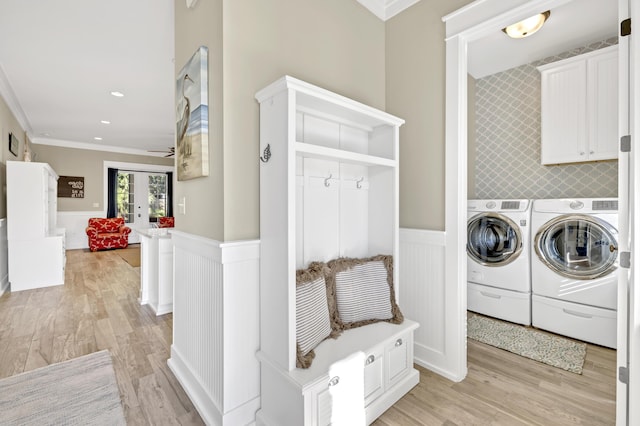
pixel 373 376
pixel 398 358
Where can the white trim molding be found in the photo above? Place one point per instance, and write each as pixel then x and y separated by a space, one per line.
pixel 93 147
pixel 387 9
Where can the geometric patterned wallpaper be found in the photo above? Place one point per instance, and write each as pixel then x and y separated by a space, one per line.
pixel 508 141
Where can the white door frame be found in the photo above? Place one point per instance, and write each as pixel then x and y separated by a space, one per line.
pixel 633 350
pixel 463 26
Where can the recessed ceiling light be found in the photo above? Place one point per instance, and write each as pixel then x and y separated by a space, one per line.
pixel 105 121
pixel 98 138
pixel 117 94
pixel 528 26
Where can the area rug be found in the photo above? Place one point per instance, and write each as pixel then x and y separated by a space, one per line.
pixel 528 342
pixel 131 255
pixel 81 391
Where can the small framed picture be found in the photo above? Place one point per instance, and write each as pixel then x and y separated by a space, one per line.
pixel 14 144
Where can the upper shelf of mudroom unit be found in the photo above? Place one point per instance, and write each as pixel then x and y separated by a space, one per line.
pixel 313 99
pixel 326 153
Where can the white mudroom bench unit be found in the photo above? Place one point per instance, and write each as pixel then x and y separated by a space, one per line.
pixel 328 190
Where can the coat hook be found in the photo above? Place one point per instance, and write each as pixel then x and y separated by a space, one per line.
pixel 266 154
pixel 326 181
pixel 359 182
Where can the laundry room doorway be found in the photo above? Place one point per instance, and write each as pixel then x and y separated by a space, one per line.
pixel 474 22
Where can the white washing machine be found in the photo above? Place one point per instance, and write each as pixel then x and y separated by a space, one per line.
pixel 574 268
pixel 498 261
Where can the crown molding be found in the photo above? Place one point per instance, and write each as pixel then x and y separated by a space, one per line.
pixel 93 147
pixel 386 9
pixel 12 102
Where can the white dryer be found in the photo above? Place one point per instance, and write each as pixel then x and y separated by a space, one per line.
pixel 574 269
pixel 498 260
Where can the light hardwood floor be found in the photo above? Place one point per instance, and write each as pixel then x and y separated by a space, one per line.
pixel 97 309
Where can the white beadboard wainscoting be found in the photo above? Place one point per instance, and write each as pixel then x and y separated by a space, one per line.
pixel 216 326
pixel 4 257
pixel 75 225
pixel 423 297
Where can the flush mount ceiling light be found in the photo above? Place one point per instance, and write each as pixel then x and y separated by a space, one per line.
pixel 117 94
pixel 528 26
pixel 105 121
pixel 98 138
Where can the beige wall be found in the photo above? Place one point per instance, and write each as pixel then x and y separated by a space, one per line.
pixel 8 124
pixel 415 91
pixel 202 26
pixel 335 44
pixel 90 165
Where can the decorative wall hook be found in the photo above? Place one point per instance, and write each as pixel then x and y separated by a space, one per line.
pixel 359 182
pixel 326 181
pixel 266 154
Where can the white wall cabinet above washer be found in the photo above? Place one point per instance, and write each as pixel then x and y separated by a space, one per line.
pixel 580 108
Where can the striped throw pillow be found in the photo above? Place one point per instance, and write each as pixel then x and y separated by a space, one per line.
pixel 364 291
pixel 312 314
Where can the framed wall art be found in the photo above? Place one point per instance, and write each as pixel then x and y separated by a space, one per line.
pixel 192 118
pixel 14 144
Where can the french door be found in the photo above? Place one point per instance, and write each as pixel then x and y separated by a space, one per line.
pixel 142 199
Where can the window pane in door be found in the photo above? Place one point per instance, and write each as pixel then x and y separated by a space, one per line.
pixel 125 196
pixel 157 196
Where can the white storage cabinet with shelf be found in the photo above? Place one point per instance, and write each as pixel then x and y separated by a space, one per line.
pixel 328 189
pixel 580 108
pixel 36 246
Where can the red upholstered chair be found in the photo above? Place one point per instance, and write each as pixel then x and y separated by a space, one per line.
pixel 105 234
pixel 166 222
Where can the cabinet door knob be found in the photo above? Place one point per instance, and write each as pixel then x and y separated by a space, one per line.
pixel 399 342
pixel 590 152
pixel 582 153
pixel 370 359
pixel 334 381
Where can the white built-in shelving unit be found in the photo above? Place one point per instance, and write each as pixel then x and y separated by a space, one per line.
pixel 36 246
pixel 328 189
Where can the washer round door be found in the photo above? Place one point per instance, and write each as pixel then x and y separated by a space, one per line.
pixel 493 239
pixel 578 246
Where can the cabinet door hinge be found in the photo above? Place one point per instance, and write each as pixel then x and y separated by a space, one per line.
pixel 625 27
pixel 625 259
pixel 623 375
pixel 625 143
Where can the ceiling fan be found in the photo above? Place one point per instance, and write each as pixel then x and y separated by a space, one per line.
pixel 171 151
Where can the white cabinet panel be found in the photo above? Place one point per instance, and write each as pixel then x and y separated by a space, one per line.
pixel 602 92
pixel 397 358
pixel 321 210
pixel 373 376
pixel 354 203
pixel 580 108
pixel 36 245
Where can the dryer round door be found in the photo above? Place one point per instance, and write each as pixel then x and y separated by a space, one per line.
pixel 493 239
pixel 578 246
